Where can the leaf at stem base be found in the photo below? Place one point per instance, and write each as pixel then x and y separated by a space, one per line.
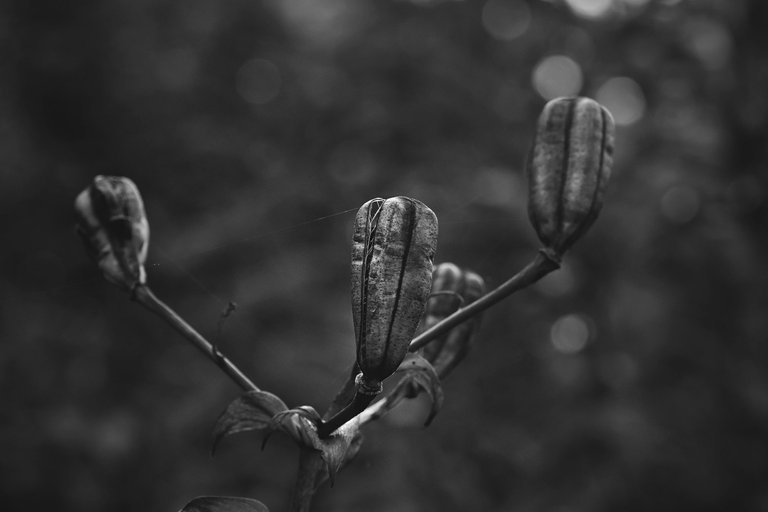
pixel 300 424
pixel 253 410
pixel 418 375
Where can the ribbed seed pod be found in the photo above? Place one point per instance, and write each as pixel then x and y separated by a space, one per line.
pixel 392 250
pixel 568 168
pixel 112 223
pixel 449 282
pixel 444 300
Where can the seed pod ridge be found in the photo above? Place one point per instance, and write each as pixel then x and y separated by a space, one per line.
pixel 464 287
pixel 569 166
pixel 393 245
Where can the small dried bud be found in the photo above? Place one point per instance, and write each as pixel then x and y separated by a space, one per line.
pixel 114 228
pixel 568 167
pixel 452 288
pixel 392 250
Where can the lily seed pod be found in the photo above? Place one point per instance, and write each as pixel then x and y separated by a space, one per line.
pixel 568 168
pixel 445 295
pixel 392 250
pixel 112 223
pixel 449 282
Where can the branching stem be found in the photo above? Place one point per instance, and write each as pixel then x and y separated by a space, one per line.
pixel 544 263
pixel 144 296
pixel 358 404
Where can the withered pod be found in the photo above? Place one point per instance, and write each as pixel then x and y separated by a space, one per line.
pixel 568 168
pixel 392 250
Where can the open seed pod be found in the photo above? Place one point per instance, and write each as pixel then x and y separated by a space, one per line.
pixel 112 224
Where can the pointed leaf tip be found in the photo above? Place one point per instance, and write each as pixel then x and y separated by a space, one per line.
pixel 253 410
pixel 339 448
pixel 300 424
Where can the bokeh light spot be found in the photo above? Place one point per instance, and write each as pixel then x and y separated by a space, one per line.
pixel 709 41
pixel 258 81
pixel 624 98
pixel 324 24
pixel 506 19
pixel 590 8
pixel 569 334
pixel 557 75
pixel 680 204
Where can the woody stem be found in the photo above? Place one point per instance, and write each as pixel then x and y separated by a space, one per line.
pixel 355 407
pixel 144 296
pixel 311 465
pixel 545 262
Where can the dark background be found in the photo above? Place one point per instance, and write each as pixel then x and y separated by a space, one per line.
pixel 633 379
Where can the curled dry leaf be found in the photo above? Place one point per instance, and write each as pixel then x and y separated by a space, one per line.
pixel 261 410
pixel 335 450
pixel 298 423
pixel 417 375
pixel 253 410
pixel 224 504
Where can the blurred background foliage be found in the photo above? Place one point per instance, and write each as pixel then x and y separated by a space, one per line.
pixel 633 379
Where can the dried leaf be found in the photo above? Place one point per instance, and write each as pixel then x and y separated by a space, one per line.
pixel 418 374
pixel 300 424
pixel 253 410
pixel 224 504
pixel 340 447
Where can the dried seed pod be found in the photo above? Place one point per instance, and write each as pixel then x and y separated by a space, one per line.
pixel 392 250
pixel 112 223
pixel 568 168
pixel 444 299
pixel 445 295
pixel 449 284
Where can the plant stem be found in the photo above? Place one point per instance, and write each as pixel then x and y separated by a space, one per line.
pixel 358 404
pixel 544 263
pixel 345 394
pixel 376 410
pixel 310 467
pixel 144 296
